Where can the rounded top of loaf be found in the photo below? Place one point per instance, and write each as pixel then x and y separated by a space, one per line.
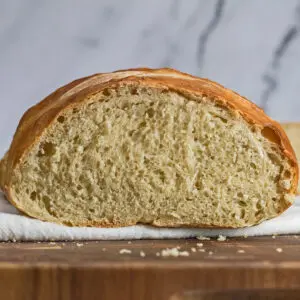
pixel 37 119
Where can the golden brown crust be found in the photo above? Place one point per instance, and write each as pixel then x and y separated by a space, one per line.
pixel 38 118
pixel 292 130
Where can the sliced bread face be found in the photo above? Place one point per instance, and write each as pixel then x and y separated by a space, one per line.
pixel 148 146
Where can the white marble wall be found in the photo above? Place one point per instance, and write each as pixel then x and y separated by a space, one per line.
pixel 251 46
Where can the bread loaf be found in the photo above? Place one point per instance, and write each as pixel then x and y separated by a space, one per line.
pixel 146 146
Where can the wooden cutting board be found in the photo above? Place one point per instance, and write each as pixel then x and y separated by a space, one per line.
pixel 235 268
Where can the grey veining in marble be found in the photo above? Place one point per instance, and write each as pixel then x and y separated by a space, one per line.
pixel 251 46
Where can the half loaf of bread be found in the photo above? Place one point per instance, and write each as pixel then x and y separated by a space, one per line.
pixel 146 146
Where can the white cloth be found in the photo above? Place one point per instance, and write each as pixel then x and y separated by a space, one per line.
pixel 15 227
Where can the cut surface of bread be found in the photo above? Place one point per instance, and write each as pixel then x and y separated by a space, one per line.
pixel 146 146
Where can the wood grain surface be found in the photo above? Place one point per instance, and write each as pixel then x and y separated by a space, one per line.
pixel 97 270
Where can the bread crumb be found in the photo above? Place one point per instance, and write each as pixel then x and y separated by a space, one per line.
pixel 193 249
pixel 52 243
pixel 202 238
pixel 184 253
pixel 125 251
pixel 201 250
pixel 279 250
pixel 273 236
pixel 200 244
pixel 241 251
pixel 129 242
pixel 14 240
pixel 79 244
pixel 157 254
pixel 174 252
pixel 210 253
pixel 142 254
pixel 221 238
pixel 245 236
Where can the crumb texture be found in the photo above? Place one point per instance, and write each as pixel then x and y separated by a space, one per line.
pixel 141 155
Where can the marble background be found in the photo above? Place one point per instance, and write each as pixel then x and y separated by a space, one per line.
pixel 251 46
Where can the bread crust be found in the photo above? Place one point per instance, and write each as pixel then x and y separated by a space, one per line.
pixel 39 117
